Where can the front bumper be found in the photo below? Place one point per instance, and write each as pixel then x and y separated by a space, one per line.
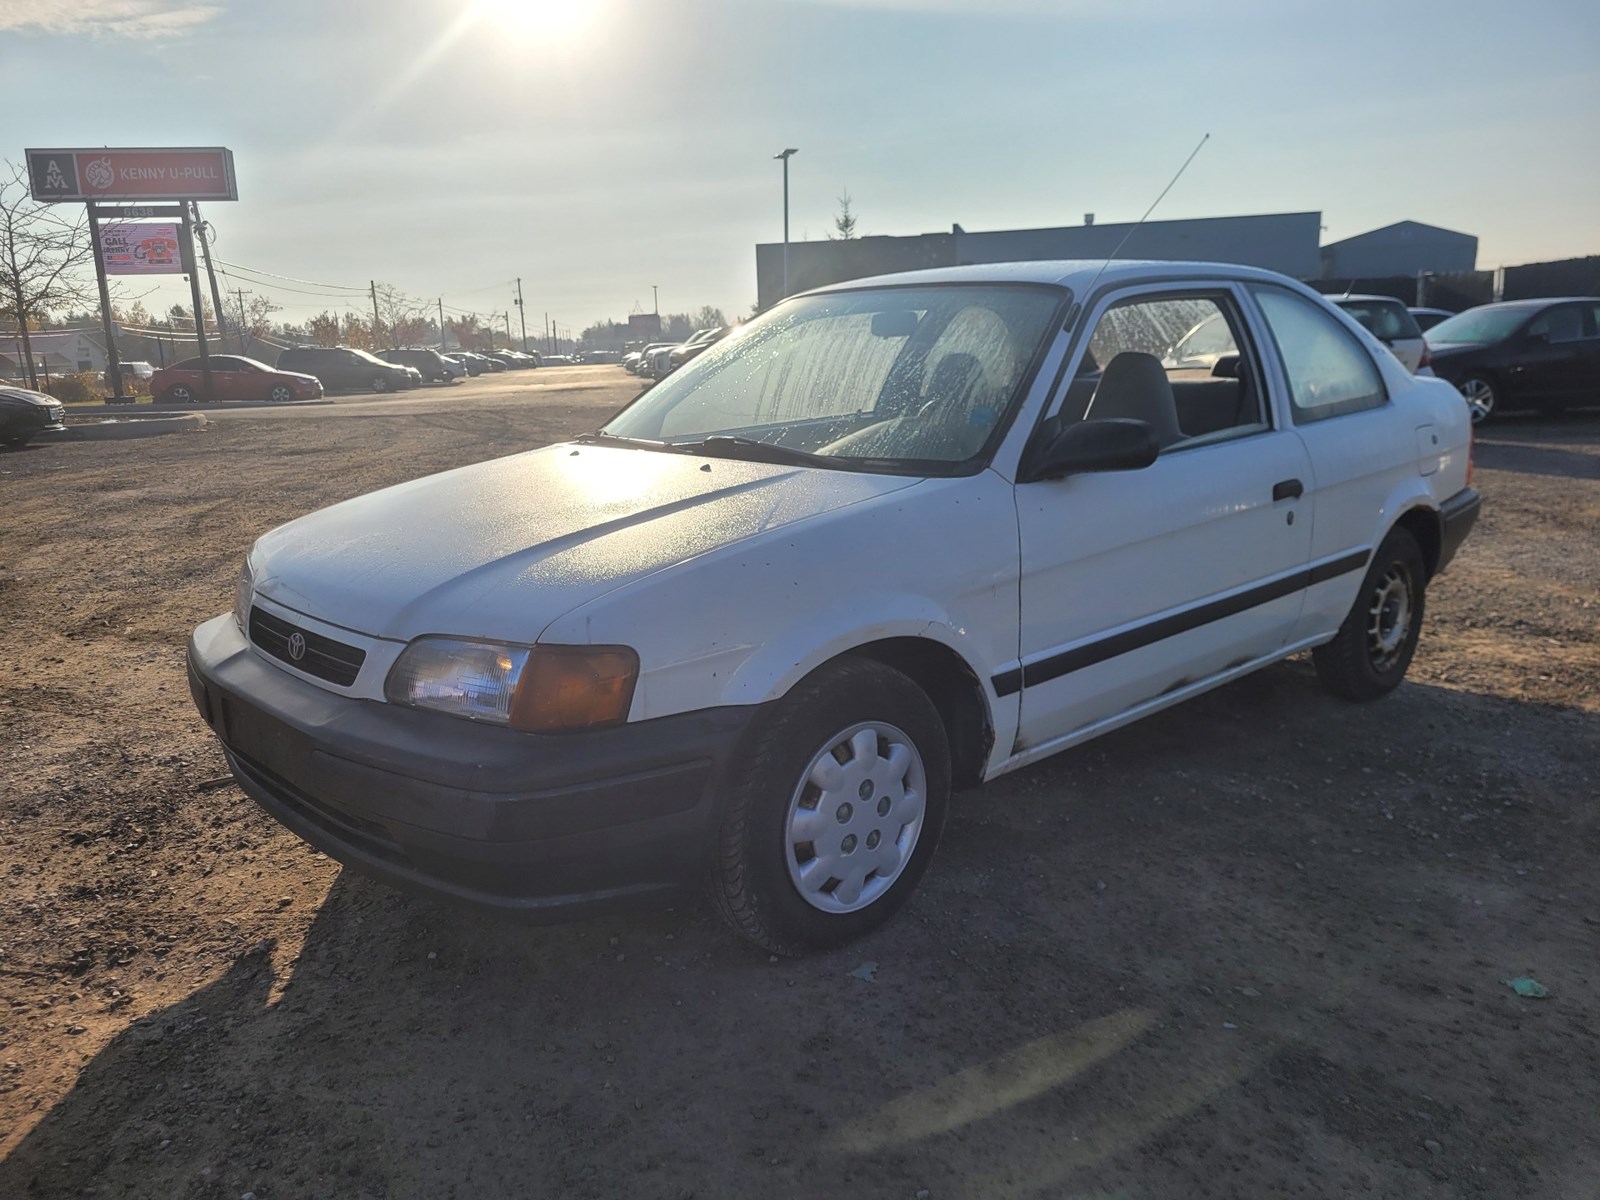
pixel 1457 516
pixel 522 822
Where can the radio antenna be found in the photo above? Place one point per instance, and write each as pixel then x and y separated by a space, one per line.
pixel 1088 290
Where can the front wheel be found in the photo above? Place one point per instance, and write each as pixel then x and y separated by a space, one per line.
pixel 1481 395
pixel 381 383
pixel 281 393
pixel 834 810
pixel 177 395
pixel 1369 655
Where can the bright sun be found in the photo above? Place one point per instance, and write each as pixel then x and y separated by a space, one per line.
pixel 535 21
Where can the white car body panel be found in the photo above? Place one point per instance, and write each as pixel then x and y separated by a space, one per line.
pixel 733 579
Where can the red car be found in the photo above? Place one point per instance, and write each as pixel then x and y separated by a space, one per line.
pixel 232 378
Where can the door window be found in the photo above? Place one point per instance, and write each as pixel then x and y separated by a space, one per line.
pixel 1177 362
pixel 1330 373
pixel 1563 324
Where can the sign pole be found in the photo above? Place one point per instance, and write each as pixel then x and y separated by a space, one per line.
pixel 442 346
pixel 194 293
pixel 113 363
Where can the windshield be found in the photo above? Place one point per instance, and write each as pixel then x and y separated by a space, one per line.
pixel 900 378
pixel 1478 325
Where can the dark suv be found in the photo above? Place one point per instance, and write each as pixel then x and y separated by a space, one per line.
pixel 343 369
pixel 430 363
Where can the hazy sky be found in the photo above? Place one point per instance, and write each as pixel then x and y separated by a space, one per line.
pixel 596 148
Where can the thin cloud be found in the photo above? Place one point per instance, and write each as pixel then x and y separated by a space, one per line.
pixel 104 18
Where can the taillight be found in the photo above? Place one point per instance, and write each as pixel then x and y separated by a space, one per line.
pixel 1472 445
pixel 1427 357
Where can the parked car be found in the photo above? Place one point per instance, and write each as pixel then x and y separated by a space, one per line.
pixel 25 413
pixel 702 340
pixel 1427 318
pixel 1542 354
pixel 515 360
pixel 430 365
pixel 136 377
pixel 473 364
pixel 953 552
pixel 1392 324
pixel 638 361
pixel 233 377
pixel 658 363
pixel 341 368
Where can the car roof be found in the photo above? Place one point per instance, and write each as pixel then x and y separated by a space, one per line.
pixel 1540 302
pixel 1364 299
pixel 1076 274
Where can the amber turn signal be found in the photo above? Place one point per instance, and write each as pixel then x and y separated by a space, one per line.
pixel 574 687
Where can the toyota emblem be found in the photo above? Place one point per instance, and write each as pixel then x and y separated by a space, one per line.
pixel 297 646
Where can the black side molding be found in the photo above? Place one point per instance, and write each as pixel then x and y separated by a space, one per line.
pixel 1043 670
pixel 1457 516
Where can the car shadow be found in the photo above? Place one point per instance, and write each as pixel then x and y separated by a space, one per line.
pixel 1196 932
pixel 1527 456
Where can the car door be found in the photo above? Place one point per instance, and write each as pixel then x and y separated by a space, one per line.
pixel 1550 362
pixel 1361 446
pixel 1136 584
pixel 225 377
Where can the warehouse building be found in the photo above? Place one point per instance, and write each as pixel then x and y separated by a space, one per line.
pixel 1405 248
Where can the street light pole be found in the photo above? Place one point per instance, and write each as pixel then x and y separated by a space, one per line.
pixel 522 315
pixel 785 157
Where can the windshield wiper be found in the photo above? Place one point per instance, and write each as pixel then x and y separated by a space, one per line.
pixel 589 439
pixel 727 445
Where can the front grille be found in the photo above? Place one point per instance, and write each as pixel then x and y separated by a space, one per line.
pixel 323 657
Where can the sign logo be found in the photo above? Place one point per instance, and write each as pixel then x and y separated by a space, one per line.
pixel 297 646
pixel 99 174
pixel 54 180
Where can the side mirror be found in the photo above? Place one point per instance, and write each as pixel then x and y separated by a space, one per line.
pixel 1226 367
pixel 1112 444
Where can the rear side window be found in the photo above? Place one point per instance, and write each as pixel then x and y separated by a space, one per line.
pixel 1563 324
pixel 1330 373
pixel 1388 320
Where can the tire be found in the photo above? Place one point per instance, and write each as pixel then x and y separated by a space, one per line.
pixel 281 393
pixel 177 395
pixel 872 714
pixel 382 383
pixel 1369 655
pixel 14 443
pixel 1482 395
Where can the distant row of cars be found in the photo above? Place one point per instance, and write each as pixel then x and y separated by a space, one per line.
pixel 1542 354
pixel 306 372
pixel 657 360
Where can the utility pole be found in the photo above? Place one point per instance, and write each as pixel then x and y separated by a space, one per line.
pixel 655 292
pixel 785 156
pixel 374 284
pixel 186 249
pixel 441 326
pixel 508 327
pixel 240 293
pixel 216 296
pixel 522 315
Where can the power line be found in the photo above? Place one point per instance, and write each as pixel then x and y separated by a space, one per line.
pixel 291 278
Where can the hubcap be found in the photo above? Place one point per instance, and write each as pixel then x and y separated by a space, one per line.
pixel 1479 397
pixel 855 817
pixel 280 393
pixel 1389 617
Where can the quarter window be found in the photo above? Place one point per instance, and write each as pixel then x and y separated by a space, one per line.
pixel 1330 374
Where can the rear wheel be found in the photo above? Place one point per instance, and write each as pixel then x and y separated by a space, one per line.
pixel 1481 395
pixel 834 810
pixel 178 394
pixel 1369 655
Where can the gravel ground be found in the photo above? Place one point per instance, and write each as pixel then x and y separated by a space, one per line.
pixel 1254 946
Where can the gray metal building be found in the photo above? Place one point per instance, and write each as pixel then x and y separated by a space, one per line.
pixel 1285 242
pixel 1405 248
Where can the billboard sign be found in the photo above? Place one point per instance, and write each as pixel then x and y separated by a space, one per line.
pixel 113 175
pixel 644 324
pixel 140 248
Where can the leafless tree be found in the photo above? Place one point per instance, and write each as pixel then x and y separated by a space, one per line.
pixel 43 252
pixel 400 317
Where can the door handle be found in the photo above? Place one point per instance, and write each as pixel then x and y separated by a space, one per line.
pixel 1288 489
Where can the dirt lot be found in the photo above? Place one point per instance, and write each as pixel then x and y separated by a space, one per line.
pixel 1252 947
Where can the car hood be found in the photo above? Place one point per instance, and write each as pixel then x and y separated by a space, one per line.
pixel 1453 349
pixel 500 549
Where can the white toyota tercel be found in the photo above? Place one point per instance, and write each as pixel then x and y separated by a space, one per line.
pixel 891 538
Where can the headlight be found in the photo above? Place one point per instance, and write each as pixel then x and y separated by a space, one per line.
pixel 243 593
pixel 542 689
